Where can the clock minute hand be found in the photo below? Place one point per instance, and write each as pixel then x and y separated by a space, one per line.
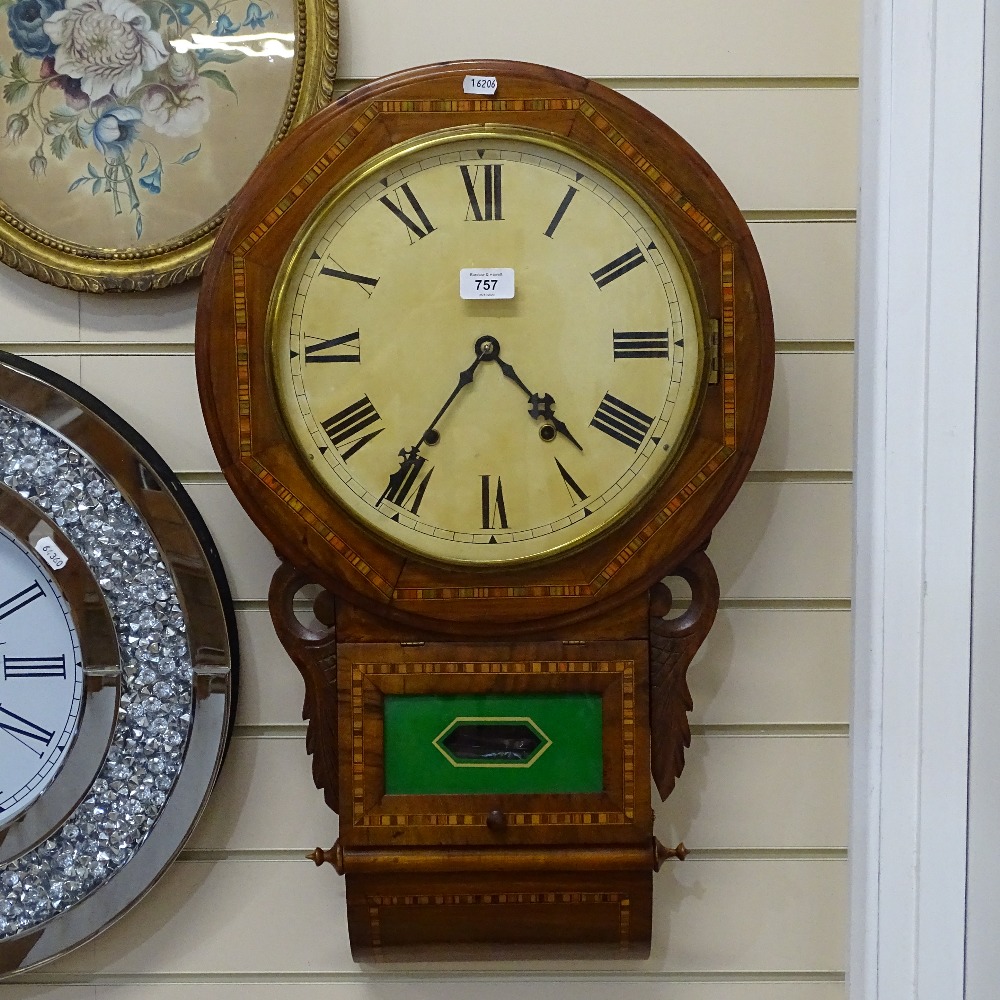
pixel 412 460
pixel 464 379
pixel 542 406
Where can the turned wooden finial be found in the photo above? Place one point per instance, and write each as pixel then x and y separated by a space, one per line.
pixel 661 853
pixel 334 856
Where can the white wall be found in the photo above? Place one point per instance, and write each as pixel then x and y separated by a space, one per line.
pixel 768 93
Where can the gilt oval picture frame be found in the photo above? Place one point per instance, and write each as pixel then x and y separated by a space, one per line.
pixel 127 126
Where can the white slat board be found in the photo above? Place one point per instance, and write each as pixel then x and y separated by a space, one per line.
pixel 758 912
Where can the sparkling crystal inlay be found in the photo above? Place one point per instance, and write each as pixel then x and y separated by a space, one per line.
pixel 151 733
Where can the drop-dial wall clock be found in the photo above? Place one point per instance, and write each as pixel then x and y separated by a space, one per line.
pixel 117 665
pixel 485 349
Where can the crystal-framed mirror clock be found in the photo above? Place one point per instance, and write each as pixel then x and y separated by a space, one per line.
pixel 120 660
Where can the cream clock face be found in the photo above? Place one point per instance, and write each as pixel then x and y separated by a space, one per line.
pixel 486 348
pixel 41 684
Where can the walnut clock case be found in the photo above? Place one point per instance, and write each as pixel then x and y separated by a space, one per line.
pixel 485 350
pixel 119 664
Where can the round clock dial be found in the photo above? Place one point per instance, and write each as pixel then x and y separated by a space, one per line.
pixel 40 689
pixel 486 347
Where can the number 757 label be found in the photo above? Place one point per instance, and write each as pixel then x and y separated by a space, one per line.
pixel 486 283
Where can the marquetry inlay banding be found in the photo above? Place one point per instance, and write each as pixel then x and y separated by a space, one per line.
pixel 363 675
pixel 456 112
pixel 378 903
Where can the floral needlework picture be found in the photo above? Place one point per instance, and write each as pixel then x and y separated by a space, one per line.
pixel 128 123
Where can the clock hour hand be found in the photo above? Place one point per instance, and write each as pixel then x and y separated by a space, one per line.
pixel 541 407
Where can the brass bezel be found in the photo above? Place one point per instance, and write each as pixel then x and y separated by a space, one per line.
pixel 378 164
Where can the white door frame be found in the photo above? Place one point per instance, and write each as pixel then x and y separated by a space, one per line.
pixel 919 224
pixel 982 960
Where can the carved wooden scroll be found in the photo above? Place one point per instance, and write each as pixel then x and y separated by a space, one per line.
pixel 314 652
pixel 673 643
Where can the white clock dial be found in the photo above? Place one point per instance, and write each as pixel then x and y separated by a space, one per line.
pixel 514 412
pixel 42 679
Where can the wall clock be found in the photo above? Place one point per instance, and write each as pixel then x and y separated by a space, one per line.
pixel 486 351
pixel 118 653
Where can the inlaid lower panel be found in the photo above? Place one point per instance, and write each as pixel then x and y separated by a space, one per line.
pixel 552 737
pixel 499 914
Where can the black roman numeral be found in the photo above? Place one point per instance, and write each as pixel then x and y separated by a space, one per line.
pixel 494 510
pixel 23 729
pixel 34 666
pixel 420 227
pixel 490 207
pixel 572 487
pixel 560 211
pixel 409 478
pixel 640 344
pixel 345 428
pixel 623 422
pixel 619 266
pixel 19 600
pixel 346 348
pixel 363 282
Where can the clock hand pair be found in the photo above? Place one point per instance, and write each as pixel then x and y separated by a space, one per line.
pixel 487 349
pixel 412 460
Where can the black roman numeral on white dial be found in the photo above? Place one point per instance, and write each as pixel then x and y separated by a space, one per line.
pixel 34 666
pixel 363 281
pixel 576 493
pixel 621 421
pixel 21 599
pixel 353 427
pixel 614 269
pixel 22 730
pixel 483 186
pixel 494 508
pixel 560 211
pixel 416 228
pixel 408 486
pixel 640 344
pixel 335 350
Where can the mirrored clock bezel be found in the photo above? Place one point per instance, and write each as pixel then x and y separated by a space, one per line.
pixel 159 506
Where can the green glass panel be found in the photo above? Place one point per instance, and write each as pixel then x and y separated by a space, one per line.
pixel 422 732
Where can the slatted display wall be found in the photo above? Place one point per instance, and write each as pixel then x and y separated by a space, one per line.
pixel 767 92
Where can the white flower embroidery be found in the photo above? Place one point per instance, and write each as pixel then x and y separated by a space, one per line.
pixel 105 44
